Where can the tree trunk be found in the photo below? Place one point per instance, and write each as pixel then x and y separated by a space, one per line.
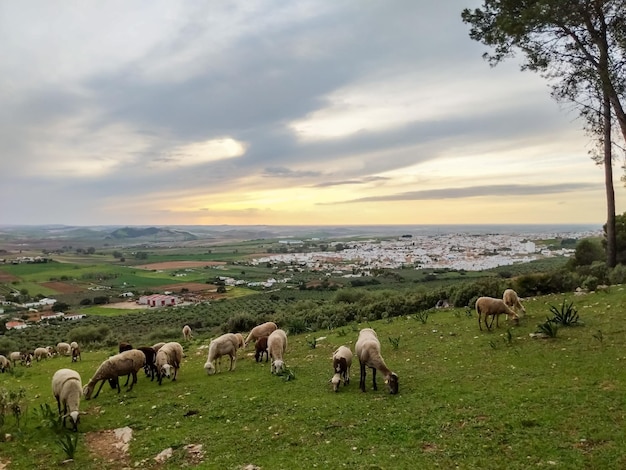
pixel 611 240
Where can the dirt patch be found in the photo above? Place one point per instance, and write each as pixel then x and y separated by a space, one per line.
pixel 6 277
pixel 63 287
pixel 190 286
pixel 180 264
pixel 110 445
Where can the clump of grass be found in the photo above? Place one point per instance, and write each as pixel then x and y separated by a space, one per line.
pixel 549 329
pixel 395 342
pixel 68 443
pixel 48 417
pixel 341 333
pixel 312 343
pixel 422 316
pixel 287 374
pixel 566 315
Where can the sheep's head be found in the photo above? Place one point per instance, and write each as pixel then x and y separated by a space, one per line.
pixel 392 383
pixel 166 369
pixel 87 391
pixel 209 367
pixel 277 366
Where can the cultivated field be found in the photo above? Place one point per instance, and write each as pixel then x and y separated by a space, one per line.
pixel 468 399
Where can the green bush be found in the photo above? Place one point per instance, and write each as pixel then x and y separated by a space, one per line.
pixel 89 334
pixel 618 274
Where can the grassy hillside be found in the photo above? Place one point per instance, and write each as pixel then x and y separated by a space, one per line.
pixel 468 399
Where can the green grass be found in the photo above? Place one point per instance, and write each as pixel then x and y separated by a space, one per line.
pixel 468 399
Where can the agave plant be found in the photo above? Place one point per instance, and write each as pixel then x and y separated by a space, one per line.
pixel 566 315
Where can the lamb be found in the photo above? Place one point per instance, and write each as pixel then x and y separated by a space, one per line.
pixel 187 333
pixel 27 358
pixel 5 364
pixel 513 301
pixel 124 363
pixel 491 307
pixel 76 354
pixel 264 329
pixel 64 349
pixel 367 349
pixel 42 353
pixel 260 348
pixel 276 347
pixel 342 361
pixel 225 345
pixel 168 357
pixel 67 389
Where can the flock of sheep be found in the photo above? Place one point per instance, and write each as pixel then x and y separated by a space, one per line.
pixel 164 359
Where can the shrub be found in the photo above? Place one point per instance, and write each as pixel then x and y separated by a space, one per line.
pixel 239 322
pixel 89 334
pixel 566 315
pixel 618 274
pixel 548 329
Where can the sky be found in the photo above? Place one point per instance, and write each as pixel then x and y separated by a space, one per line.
pixel 270 112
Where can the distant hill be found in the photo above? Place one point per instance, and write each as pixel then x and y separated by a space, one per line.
pixel 151 234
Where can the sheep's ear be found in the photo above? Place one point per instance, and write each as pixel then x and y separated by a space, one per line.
pixel 386 381
pixel 82 412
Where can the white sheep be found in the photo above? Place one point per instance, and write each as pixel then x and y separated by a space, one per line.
pixel 5 364
pixel 342 361
pixel 225 345
pixel 491 307
pixel 119 365
pixel 168 357
pixel 64 349
pixel 42 353
pixel 264 329
pixel 67 389
pixel 276 347
pixel 513 301
pixel 157 346
pixel 187 333
pixel 15 356
pixel 367 349
pixel 73 345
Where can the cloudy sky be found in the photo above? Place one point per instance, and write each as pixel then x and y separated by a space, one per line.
pixel 278 112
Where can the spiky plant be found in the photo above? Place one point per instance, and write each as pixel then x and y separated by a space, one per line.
pixel 566 315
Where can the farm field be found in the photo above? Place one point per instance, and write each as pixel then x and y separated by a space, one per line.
pixel 468 399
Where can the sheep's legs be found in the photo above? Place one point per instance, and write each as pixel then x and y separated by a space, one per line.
pixel 374 378
pixel 133 382
pixel 233 362
pixel 101 384
pixel 362 380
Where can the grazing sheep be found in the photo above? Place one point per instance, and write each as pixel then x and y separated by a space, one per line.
pixel 264 329
pixel 73 344
pixel 168 357
pixel 15 356
pixel 76 354
pixel 342 361
pixel 367 349
pixel 260 348
pixel 225 345
pixel 5 364
pixel 27 358
pixel 150 366
pixel 491 307
pixel 187 333
pixel 157 346
pixel 125 347
pixel 513 301
pixel 67 389
pixel 124 363
pixel 276 347
pixel 64 349
pixel 42 353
